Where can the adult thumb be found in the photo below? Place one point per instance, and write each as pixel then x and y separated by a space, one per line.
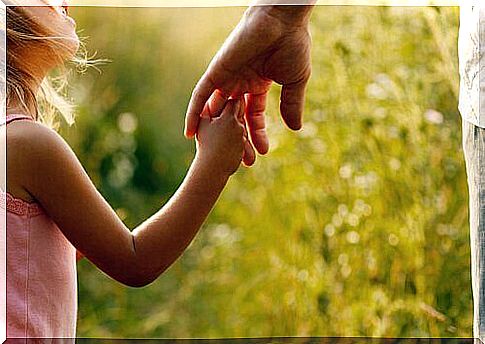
pixel 292 104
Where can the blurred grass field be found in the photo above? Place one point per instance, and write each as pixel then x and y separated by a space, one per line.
pixel 354 226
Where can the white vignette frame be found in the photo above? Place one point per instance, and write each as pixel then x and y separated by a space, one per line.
pixel 3 174
pixel 141 3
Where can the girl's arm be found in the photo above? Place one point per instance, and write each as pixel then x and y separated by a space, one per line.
pixel 57 180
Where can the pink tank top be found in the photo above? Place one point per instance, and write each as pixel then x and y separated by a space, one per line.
pixel 41 271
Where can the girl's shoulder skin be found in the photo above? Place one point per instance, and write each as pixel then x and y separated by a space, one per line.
pixel 17 142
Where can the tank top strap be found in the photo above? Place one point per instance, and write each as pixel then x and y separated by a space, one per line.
pixel 14 117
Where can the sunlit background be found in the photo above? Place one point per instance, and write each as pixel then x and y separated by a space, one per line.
pixel 232 3
pixel 355 226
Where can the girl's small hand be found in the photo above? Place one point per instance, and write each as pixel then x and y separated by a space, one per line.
pixel 220 140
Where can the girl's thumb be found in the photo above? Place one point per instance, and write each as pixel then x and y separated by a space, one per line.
pixel 233 106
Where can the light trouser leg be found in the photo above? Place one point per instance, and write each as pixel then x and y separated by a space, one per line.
pixel 474 148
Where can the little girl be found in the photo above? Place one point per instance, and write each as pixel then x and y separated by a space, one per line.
pixel 53 208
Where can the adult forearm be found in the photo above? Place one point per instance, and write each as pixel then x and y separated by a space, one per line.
pixel 161 239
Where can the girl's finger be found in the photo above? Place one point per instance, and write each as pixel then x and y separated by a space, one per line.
pixel 232 107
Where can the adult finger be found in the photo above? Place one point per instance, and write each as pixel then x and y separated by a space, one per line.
pixel 249 156
pixel 256 105
pixel 201 93
pixel 292 104
pixel 214 105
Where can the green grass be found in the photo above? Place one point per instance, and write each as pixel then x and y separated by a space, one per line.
pixel 355 226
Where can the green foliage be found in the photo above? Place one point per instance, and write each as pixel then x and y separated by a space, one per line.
pixel 354 226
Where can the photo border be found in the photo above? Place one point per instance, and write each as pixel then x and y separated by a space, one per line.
pixel 147 4
pixel 3 174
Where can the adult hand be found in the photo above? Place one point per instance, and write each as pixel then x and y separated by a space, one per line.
pixel 271 43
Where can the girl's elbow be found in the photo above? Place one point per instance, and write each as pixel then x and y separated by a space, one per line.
pixel 140 278
pixel 143 272
pixel 137 281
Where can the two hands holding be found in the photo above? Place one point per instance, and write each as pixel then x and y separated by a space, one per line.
pixel 227 108
pixel 226 115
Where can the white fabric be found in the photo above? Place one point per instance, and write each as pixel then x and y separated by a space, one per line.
pixel 470 51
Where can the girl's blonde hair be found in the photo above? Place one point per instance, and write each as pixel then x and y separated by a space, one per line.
pixel 23 32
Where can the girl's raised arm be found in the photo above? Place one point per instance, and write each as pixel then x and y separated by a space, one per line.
pixel 60 184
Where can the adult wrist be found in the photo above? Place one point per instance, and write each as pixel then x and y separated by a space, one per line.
pixel 291 15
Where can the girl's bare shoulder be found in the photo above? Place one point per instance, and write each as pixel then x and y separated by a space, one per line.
pixel 21 131
pixel 29 146
pixel 29 139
